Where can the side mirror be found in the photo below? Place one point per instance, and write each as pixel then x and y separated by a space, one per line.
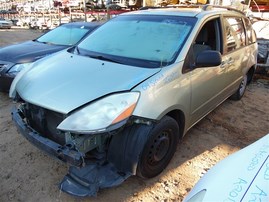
pixel 208 58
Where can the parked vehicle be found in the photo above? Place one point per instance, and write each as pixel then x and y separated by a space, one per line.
pixel 38 23
pixel 5 24
pixel 242 176
pixel 15 57
pixel 118 103
pixel 261 27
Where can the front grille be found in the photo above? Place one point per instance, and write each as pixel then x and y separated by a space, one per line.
pixel 45 122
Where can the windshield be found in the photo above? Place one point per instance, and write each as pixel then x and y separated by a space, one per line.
pixel 142 40
pixel 64 35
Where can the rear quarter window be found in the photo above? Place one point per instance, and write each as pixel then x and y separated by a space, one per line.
pixel 250 33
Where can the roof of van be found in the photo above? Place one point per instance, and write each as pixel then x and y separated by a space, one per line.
pixel 185 11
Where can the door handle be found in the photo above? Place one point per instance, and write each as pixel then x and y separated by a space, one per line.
pixel 230 61
pixel 223 64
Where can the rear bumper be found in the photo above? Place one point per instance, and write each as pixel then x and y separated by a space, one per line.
pixel 63 153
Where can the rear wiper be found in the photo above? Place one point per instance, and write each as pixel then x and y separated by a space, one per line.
pixel 100 57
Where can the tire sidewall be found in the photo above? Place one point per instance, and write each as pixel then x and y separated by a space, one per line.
pixel 241 89
pixel 167 125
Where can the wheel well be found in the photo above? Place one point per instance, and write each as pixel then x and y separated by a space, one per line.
pixel 250 74
pixel 180 119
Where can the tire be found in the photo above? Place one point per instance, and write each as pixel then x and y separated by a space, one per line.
pixel 241 90
pixel 159 148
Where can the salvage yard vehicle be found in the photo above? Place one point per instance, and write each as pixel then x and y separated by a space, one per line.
pixel 261 27
pixel 15 57
pixel 242 176
pixel 118 103
pixel 5 24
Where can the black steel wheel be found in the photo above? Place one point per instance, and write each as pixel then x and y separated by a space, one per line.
pixel 159 148
pixel 241 90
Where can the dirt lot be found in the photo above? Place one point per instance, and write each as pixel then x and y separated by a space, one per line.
pixel 29 175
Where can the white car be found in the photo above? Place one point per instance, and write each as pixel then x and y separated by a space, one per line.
pixel 5 24
pixel 242 176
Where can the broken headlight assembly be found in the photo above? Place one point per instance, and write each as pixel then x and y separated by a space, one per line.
pixel 101 115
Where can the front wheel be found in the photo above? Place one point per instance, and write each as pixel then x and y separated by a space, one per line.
pixel 159 148
pixel 241 90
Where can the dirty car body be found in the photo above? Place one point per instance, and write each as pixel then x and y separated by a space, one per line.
pixel 118 103
pixel 242 176
pixel 14 58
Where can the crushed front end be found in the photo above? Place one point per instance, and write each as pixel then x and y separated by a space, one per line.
pixel 39 126
pixel 94 161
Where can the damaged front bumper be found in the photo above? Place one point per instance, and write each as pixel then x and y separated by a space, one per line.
pixel 83 179
pixel 64 153
pixel 87 181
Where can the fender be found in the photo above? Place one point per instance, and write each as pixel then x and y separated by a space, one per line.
pixel 125 147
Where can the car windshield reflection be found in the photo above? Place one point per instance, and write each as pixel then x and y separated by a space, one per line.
pixel 161 37
pixel 64 35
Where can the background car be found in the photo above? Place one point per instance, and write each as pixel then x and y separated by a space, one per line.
pixel 242 176
pixel 15 57
pixel 5 24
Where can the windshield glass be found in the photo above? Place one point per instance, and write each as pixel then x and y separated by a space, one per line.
pixel 142 40
pixel 64 35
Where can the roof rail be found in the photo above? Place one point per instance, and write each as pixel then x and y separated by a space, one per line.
pixel 209 7
pixel 204 7
pixel 172 6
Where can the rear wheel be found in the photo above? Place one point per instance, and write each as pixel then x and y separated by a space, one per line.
pixel 241 90
pixel 159 148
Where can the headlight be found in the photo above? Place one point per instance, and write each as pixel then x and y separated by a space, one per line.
pixel 17 68
pixel 96 117
pixel 3 67
pixel 12 90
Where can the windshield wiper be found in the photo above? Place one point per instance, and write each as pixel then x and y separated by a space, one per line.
pixel 100 57
pixel 44 42
pixel 77 49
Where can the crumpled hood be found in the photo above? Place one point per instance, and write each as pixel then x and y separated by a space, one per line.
pixel 28 51
pixel 64 81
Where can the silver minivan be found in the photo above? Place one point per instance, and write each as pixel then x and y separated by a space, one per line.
pixel 118 103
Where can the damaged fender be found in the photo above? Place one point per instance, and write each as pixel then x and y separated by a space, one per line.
pixel 126 147
pixel 123 157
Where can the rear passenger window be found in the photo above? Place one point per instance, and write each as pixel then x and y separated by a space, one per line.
pixel 235 33
pixel 251 35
